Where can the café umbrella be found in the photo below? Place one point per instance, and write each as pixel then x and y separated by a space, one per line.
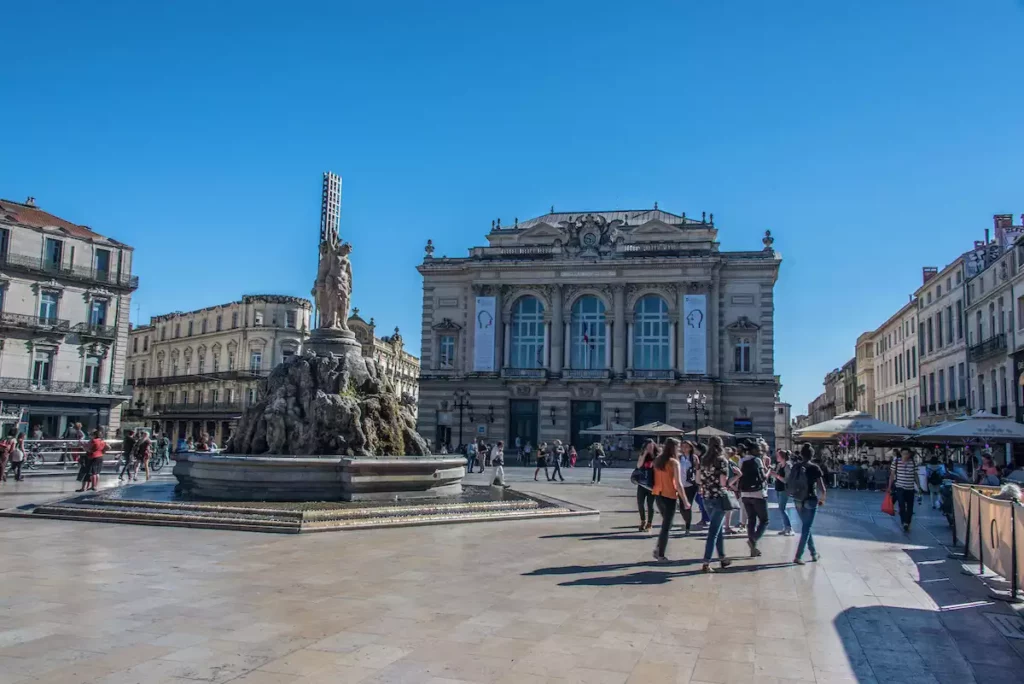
pixel 709 431
pixel 981 426
pixel 609 430
pixel 857 424
pixel 656 429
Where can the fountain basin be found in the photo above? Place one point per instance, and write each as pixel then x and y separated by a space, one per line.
pixel 308 478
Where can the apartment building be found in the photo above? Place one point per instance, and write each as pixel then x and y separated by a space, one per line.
pixel 896 368
pixel 943 342
pixel 865 373
pixel 65 295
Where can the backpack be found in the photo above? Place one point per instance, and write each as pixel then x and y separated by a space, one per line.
pixel 752 477
pixel 796 484
pixel 935 477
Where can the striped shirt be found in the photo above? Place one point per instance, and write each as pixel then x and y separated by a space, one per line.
pixel 906 474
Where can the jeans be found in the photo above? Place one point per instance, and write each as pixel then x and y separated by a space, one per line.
pixel 16 469
pixel 470 462
pixel 783 498
pixel 691 494
pixel 667 508
pixel 935 495
pixel 757 518
pixel 807 510
pixel 704 517
pixel 557 472
pixel 715 537
pixel 904 498
pixel 644 496
pixel 598 464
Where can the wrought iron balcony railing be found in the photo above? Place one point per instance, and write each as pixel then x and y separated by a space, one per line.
pixel 199 377
pixel 14 320
pixel 106 332
pixel 990 347
pixel 525 373
pixel 586 374
pixel 199 407
pixel 37 264
pixel 651 374
pixel 61 387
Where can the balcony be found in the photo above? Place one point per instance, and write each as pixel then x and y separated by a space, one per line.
pixel 101 332
pixel 524 373
pixel 39 265
pixel 199 377
pixel 993 346
pixel 26 322
pixel 650 374
pixel 8 384
pixel 198 407
pixel 586 374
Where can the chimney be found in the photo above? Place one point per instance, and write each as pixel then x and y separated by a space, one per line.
pixel 1002 221
pixel 30 201
pixel 927 273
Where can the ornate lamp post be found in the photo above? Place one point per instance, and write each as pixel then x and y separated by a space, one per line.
pixel 463 404
pixel 697 402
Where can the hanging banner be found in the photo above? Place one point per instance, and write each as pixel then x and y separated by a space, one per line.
pixel 695 335
pixel 483 340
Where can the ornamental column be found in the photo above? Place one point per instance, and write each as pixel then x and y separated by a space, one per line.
pixel 672 343
pixel 506 359
pixel 681 321
pixel 619 330
pixel 557 330
pixel 499 329
pixel 629 345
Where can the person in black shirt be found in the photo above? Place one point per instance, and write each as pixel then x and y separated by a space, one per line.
pixel 779 473
pixel 128 447
pixel 808 495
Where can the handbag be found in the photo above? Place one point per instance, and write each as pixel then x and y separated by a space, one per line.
pixel 888 507
pixel 728 501
pixel 643 477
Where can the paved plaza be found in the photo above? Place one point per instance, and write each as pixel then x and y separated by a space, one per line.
pixel 567 600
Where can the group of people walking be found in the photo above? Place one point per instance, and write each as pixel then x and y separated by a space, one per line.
pixel 684 475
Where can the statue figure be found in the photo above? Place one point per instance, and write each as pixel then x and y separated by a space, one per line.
pixel 332 290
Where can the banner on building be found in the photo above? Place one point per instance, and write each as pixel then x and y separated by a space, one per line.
pixel 695 335
pixel 483 340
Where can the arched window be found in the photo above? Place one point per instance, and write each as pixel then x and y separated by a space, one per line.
pixel 651 349
pixel 527 334
pixel 588 333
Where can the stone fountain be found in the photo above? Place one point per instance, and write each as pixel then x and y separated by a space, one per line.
pixel 329 426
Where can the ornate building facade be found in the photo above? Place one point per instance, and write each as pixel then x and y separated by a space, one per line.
pixel 65 296
pixel 572 320
pixel 196 371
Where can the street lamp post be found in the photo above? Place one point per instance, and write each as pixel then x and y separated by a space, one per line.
pixel 697 402
pixel 462 403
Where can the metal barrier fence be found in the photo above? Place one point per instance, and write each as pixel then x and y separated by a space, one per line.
pixel 50 451
pixel 992 532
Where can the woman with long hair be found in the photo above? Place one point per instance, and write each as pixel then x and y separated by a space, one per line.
pixel 668 488
pixel 644 496
pixel 689 463
pixel 713 478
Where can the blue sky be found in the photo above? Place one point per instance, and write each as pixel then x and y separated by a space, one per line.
pixel 872 138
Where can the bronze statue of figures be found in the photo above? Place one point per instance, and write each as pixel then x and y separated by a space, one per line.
pixel 332 290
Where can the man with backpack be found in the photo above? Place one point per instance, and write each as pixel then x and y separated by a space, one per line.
pixel 936 472
pixel 805 485
pixel 753 493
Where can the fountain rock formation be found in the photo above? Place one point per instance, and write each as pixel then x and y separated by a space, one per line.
pixel 329 404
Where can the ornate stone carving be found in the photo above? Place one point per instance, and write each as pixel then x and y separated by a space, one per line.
pixel 648 393
pixel 447 324
pixel 584 392
pixel 485 290
pixel 523 390
pixel 588 235
pixel 768 241
pixel 428 250
pixel 743 324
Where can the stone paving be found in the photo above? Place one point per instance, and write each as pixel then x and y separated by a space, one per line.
pixel 552 601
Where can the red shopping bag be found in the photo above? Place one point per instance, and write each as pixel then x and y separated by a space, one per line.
pixel 888 506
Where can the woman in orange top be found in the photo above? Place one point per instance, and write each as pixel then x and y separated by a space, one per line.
pixel 668 487
pixel 95 451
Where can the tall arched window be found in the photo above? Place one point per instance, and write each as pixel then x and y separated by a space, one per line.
pixel 651 347
pixel 527 334
pixel 588 333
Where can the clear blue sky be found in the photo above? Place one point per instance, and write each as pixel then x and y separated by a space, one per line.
pixel 872 138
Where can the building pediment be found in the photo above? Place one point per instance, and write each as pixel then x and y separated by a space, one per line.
pixel 654 231
pixel 447 324
pixel 743 325
pixel 542 233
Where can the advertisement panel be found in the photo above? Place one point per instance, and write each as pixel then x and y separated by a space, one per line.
pixel 483 340
pixel 695 334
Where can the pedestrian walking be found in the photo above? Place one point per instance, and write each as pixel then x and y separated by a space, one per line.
pixel 779 474
pixel 597 450
pixel 6 448
pixel 470 456
pixel 18 457
pixel 95 451
pixel 542 462
pixel 805 485
pixel 527 453
pixel 144 451
pixel 936 473
pixel 903 485
pixel 753 487
pixel 668 489
pixel 498 461
pixel 645 495
pixel 572 456
pixel 128 451
pixel 713 478
pixel 482 453
pixel 688 463
pixel 557 456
